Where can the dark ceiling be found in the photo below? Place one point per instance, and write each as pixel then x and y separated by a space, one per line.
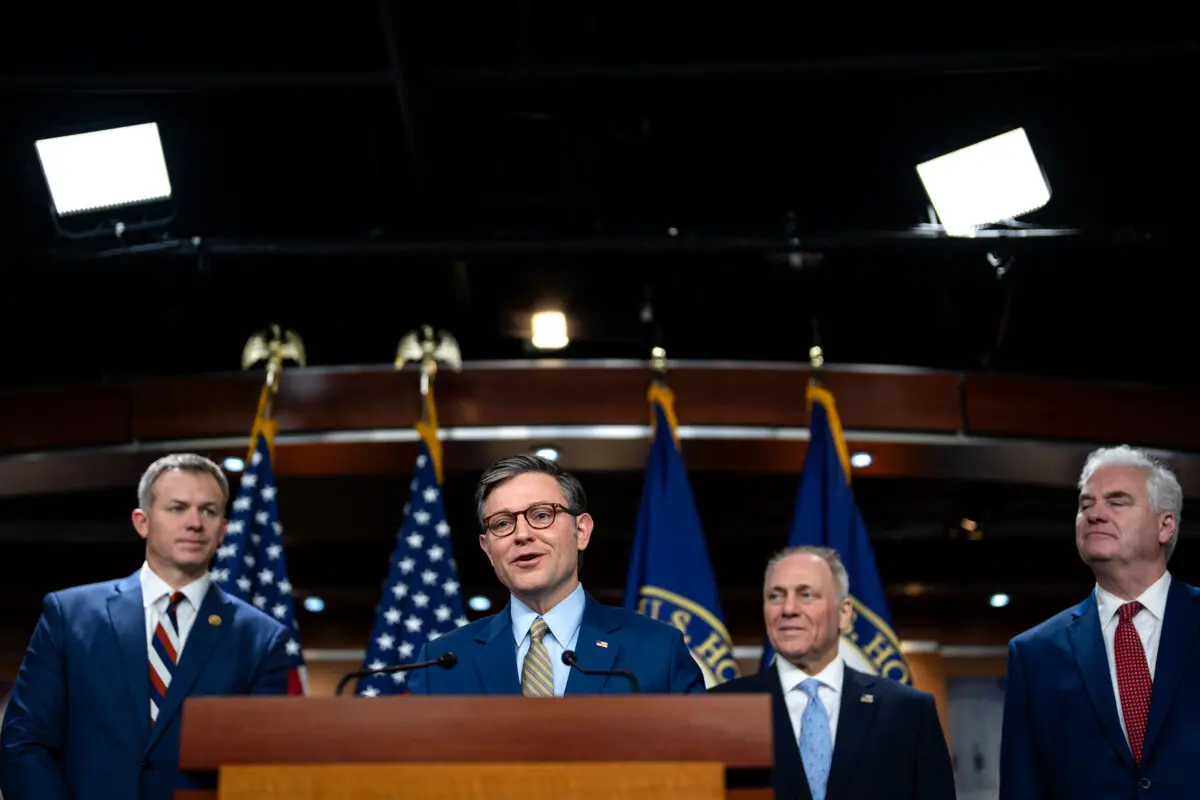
pixel 354 174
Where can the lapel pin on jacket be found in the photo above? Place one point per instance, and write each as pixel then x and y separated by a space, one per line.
pixel 213 619
pixel 867 698
pixel 601 644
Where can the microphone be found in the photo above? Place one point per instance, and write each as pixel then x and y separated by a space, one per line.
pixel 568 658
pixel 445 660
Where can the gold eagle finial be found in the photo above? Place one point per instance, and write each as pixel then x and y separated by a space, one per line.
pixel 428 349
pixel 273 346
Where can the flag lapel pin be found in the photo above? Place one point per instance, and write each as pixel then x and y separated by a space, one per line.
pixel 868 698
pixel 601 644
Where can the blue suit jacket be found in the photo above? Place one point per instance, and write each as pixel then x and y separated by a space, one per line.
pixel 1062 738
pixel 487 656
pixel 78 721
pixel 890 748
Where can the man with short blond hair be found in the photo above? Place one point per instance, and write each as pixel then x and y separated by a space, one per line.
pixel 95 711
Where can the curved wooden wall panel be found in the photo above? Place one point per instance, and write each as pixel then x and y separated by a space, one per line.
pixel 89 437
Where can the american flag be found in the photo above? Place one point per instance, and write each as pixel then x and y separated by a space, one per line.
pixel 250 563
pixel 422 599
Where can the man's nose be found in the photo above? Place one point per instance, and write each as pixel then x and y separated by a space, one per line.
pixel 522 532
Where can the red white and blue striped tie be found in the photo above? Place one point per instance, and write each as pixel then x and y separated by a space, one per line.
pixel 164 655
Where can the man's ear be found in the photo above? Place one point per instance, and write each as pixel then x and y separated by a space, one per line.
pixel 141 522
pixel 583 531
pixel 1166 528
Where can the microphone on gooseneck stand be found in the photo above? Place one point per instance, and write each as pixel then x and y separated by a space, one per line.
pixel 445 661
pixel 568 658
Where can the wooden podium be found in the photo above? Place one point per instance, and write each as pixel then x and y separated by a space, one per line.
pixel 495 747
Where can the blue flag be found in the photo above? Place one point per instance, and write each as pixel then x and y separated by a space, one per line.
pixel 670 576
pixel 250 563
pixel 826 515
pixel 422 598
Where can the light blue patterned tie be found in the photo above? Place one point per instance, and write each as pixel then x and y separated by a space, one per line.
pixel 816 740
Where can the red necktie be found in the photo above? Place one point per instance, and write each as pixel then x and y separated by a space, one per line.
pixel 1133 678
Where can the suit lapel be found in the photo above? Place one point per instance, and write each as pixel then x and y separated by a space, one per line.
pixel 1090 656
pixel 594 628
pixel 854 719
pixel 789 769
pixel 1180 624
pixel 496 660
pixel 128 618
pixel 213 619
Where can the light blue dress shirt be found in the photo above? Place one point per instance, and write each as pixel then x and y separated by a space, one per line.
pixel 563 621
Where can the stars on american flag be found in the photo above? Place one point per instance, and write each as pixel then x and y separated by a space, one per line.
pixel 250 562
pixel 421 596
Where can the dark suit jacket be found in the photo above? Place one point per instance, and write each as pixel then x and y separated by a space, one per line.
pixel 78 722
pixel 1062 738
pixel 891 748
pixel 487 656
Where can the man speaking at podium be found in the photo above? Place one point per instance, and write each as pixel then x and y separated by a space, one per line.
pixel 535 527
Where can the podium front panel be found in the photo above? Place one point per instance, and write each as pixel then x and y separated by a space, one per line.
pixel 525 781
pixel 730 729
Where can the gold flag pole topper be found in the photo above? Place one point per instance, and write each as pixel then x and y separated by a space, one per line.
pixel 273 346
pixel 428 349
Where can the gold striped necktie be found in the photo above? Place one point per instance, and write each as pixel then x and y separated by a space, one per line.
pixel 537 676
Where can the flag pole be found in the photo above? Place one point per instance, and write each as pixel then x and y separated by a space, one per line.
pixel 272 346
pixel 428 350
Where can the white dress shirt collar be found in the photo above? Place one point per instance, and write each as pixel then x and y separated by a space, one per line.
pixel 791 676
pixel 1153 600
pixel 155 588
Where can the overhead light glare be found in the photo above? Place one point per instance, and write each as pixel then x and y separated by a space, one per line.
pixel 232 464
pixel 549 330
pixel 998 600
pixel 860 460
pixel 988 182
pixel 105 169
pixel 547 453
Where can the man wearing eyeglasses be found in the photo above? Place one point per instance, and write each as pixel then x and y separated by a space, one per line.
pixel 535 529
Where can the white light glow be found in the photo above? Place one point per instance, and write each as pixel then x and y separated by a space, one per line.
pixel 999 600
pixel 234 464
pixel 549 330
pixel 105 169
pixel 314 604
pixel 860 460
pixel 547 452
pixel 479 603
pixel 988 182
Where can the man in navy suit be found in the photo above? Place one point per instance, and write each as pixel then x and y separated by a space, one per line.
pixel 95 709
pixel 1103 699
pixel 535 528
pixel 839 734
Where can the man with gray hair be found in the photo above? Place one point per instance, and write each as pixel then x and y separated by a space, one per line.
pixel 95 711
pixel 1102 700
pixel 838 732
pixel 534 528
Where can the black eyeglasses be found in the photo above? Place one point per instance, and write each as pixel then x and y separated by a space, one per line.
pixel 538 516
